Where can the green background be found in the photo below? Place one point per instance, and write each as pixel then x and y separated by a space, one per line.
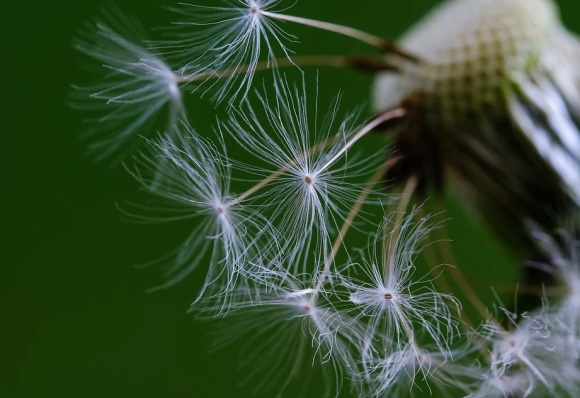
pixel 75 320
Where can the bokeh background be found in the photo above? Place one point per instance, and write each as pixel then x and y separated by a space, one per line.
pixel 75 319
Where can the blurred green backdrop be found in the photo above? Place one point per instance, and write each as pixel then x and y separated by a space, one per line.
pixel 75 319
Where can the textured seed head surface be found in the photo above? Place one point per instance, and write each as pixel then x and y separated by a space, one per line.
pixel 469 51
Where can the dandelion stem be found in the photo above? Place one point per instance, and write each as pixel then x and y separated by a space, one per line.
pixel 256 187
pixel 358 63
pixel 443 285
pixel 376 177
pixel 410 335
pixel 466 287
pixel 530 289
pixel 382 118
pixel 375 41
pixel 458 277
pixel 400 214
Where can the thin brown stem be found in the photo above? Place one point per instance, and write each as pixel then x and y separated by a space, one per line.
pixel 462 281
pixel 394 235
pixel 378 42
pixel 382 118
pixel 443 285
pixel 529 289
pixel 358 63
pixel 457 275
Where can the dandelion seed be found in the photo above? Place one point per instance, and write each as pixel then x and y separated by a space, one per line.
pixel 233 39
pixel 400 314
pixel 194 183
pixel 423 370
pixel 139 86
pixel 311 176
pixel 532 356
pixel 392 302
pixel 292 326
pixel 562 253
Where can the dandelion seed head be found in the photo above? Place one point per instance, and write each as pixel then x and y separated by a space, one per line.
pixel 469 51
pixel 494 74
